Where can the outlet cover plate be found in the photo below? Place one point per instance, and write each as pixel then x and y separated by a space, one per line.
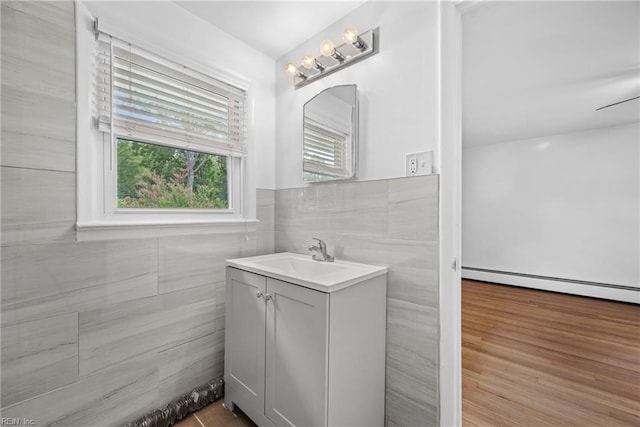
pixel 420 163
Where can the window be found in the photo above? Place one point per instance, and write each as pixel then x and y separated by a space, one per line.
pixel 157 176
pixel 325 150
pixel 175 137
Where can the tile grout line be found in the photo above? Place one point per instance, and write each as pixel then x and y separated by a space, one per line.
pixel 201 423
pixel 31 168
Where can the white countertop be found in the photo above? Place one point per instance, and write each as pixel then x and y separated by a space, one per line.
pixel 302 270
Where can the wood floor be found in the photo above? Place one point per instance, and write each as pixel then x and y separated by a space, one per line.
pixel 539 358
pixel 215 415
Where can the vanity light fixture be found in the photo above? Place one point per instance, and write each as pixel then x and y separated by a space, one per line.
pixel 328 49
pixel 355 47
pixel 309 62
pixel 291 69
pixel 350 35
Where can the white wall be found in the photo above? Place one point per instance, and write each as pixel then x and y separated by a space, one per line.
pixel 169 30
pixel 399 91
pixel 564 206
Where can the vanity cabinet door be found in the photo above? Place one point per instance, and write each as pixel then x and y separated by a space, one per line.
pixel 245 339
pixel 296 355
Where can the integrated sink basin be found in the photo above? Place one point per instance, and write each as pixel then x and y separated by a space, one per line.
pixel 296 265
pixel 302 270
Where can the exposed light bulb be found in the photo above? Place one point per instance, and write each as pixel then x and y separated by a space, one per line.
pixel 350 35
pixel 308 61
pixel 327 48
pixel 290 68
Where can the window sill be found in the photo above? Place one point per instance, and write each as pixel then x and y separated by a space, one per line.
pixel 116 231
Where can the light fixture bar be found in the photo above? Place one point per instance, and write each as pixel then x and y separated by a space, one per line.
pixel 338 56
pixel 344 55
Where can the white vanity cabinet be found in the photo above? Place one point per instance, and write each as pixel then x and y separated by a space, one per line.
pixel 296 356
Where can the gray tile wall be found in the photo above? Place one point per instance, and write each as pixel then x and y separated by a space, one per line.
pixel 93 333
pixel 392 223
pixel 265 212
pixel 38 122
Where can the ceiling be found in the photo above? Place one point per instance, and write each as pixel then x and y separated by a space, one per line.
pixel 532 69
pixel 272 27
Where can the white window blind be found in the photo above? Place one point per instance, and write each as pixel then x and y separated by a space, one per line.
pixel 102 86
pixel 325 150
pixel 146 98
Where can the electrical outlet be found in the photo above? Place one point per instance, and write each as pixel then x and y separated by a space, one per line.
pixel 419 163
pixel 412 165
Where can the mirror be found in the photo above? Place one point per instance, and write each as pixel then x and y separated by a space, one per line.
pixel 330 135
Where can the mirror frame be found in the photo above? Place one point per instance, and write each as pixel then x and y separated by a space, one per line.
pixel 355 137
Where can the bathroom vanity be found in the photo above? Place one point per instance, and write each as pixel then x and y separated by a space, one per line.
pixel 305 341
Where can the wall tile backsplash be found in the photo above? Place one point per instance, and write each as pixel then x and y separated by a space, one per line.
pixel 392 223
pixel 37 205
pixel 45 362
pixel 265 211
pixel 38 122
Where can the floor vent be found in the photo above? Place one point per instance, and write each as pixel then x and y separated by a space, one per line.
pixel 179 408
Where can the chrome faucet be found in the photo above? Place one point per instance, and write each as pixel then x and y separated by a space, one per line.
pixel 321 250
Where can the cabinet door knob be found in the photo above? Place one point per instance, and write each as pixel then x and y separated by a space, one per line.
pixel 267 297
pixel 259 294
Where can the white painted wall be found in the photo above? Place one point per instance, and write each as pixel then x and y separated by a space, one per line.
pixel 399 91
pixel 168 30
pixel 565 206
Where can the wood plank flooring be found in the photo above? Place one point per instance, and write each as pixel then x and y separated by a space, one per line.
pixel 539 358
pixel 216 415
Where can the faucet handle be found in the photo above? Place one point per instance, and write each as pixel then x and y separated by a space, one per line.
pixel 321 243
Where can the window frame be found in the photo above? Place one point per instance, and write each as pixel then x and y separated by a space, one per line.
pixel 98 216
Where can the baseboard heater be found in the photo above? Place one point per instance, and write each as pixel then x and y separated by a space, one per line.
pixel 554 279
pixel 583 288
pixel 181 407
